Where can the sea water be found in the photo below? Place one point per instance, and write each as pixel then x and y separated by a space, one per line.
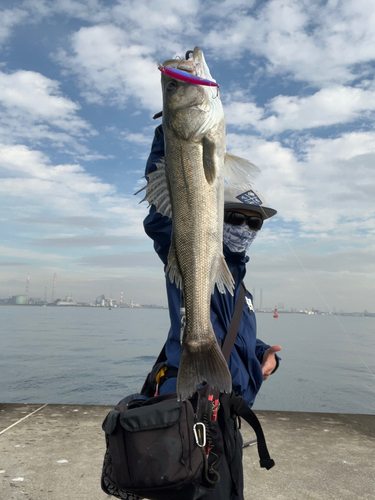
pixel 82 355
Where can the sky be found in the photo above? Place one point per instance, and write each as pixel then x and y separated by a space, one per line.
pixel 79 86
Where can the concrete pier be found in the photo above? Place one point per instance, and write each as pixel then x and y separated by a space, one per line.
pixel 55 452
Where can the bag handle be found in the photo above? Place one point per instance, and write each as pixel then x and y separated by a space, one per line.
pixel 236 405
pixel 247 414
pixel 231 335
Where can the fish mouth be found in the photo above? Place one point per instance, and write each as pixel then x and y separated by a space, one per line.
pixel 196 64
pixel 181 64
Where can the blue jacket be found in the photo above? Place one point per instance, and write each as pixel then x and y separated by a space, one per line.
pixel 247 353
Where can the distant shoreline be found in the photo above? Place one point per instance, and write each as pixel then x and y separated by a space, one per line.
pixel 265 311
pixel 87 306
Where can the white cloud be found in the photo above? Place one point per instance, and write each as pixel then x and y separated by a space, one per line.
pixel 112 69
pixel 137 138
pixel 116 59
pixel 88 10
pixel 346 147
pixel 34 166
pixel 227 8
pixel 8 19
pixel 329 191
pixel 36 94
pixel 33 109
pixel 242 114
pixel 27 254
pixel 314 42
pixel 341 279
pixel 74 211
pixel 280 181
pixel 151 15
pixel 39 188
pixel 157 15
pixel 330 106
pixel 321 186
pixel 345 168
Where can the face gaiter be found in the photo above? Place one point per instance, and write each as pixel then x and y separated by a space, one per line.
pixel 238 238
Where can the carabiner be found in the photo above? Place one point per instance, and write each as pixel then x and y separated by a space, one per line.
pixel 199 430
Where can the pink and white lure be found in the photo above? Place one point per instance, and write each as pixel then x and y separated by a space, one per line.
pixel 177 74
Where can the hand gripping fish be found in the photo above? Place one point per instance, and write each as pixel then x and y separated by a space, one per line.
pixel 188 186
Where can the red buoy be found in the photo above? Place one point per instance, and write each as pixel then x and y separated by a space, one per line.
pixel 275 315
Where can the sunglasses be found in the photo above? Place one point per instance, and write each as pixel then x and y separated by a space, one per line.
pixel 238 218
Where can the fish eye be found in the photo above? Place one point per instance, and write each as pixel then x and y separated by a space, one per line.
pixel 172 85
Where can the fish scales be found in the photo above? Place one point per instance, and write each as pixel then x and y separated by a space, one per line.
pixel 195 204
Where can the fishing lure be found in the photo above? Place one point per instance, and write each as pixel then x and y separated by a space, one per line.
pixel 177 74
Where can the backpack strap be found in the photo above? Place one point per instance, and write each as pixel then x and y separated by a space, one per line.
pixel 237 406
pixel 231 335
pixel 234 403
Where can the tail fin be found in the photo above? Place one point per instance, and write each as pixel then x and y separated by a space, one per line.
pixel 205 364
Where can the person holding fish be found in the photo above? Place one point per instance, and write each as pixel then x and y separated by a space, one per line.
pixel 202 232
pixel 245 211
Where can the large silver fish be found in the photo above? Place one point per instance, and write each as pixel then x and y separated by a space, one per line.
pixel 188 186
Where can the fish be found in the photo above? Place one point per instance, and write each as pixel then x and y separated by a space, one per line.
pixel 188 186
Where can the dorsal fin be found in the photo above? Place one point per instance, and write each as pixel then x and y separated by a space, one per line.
pixel 238 171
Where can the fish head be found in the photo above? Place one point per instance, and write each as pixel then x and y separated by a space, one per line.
pixel 190 110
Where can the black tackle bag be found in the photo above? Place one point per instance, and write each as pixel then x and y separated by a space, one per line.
pixel 164 449
pixel 160 448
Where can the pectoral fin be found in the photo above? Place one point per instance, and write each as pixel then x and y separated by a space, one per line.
pixel 209 160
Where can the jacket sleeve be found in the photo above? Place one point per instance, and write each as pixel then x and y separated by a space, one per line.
pixel 260 349
pixel 158 227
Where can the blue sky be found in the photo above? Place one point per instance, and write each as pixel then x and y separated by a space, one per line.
pixel 78 88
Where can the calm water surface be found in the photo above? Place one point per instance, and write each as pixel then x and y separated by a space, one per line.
pixel 97 356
